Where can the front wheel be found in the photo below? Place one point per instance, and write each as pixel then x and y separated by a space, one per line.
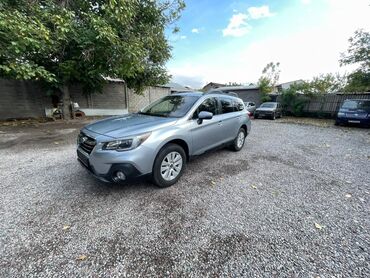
pixel 239 141
pixel 169 165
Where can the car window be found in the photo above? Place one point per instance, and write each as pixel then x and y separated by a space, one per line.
pixel 268 105
pixel 252 104
pixel 356 104
pixel 170 106
pixel 226 105
pixel 238 105
pixel 209 105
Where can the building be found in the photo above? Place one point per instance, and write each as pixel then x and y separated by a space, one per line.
pixel 176 87
pixel 246 93
pixel 212 86
pixel 286 85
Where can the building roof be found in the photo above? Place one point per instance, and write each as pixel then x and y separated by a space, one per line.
pixel 213 83
pixel 177 87
pixel 111 79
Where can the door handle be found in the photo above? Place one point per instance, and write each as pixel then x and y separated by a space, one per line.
pixel 219 123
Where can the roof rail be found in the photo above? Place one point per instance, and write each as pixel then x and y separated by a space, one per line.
pixel 222 93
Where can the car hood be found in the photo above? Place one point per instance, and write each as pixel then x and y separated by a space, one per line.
pixel 130 124
pixel 265 109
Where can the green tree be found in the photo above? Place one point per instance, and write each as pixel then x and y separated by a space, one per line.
pixel 358 53
pixel 269 79
pixel 63 42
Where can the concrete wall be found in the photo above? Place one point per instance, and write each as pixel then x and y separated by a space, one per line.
pixel 21 99
pixel 139 101
pixel 250 95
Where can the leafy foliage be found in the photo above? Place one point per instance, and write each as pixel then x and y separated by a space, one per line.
pixel 293 100
pixel 358 81
pixel 268 80
pixel 63 42
pixel 358 53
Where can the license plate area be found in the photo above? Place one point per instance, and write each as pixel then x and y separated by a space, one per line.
pixel 83 158
pixel 354 122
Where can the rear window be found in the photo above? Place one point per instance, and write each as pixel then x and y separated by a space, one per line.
pixel 357 104
pixel 269 105
pixel 238 105
pixel 226 105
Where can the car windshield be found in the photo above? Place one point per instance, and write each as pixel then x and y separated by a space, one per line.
pixel 357 104
pixel 268 105
pixel 170 106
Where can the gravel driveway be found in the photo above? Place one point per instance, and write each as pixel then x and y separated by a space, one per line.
pixel 294 202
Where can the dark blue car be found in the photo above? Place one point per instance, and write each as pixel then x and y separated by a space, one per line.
pixel 354 111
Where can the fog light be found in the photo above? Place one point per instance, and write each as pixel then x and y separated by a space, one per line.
pixel 120 176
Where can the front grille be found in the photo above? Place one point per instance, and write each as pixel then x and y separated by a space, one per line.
pixel 86 143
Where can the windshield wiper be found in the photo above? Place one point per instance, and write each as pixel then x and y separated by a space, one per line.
pixel 153 114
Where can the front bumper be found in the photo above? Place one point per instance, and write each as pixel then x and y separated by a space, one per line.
pixel 129 170
pixel 263 114
pixel 354 121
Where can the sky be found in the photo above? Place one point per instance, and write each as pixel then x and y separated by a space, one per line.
pixel 232 41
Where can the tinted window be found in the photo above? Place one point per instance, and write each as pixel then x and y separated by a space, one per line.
pixel 268 105
pixel 170 106
pixel 226 105
pixel 209 105
pixel 238 105
pixel 357 104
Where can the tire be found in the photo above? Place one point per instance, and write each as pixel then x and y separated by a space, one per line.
pixel 255 116
pixel 237 145
pixel 169 155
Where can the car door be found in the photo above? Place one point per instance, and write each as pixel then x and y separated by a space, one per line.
pixel 229 120
pixel 206 134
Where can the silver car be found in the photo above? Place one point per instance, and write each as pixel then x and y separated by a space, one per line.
pixel 162 137
pixel 250 106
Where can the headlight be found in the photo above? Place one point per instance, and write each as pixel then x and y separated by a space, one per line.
pixel 341 114
pixel 126 144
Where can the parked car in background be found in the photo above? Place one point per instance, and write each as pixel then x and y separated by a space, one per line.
pixel 270 110
pixel 250 106
pixel 162 137
pixel 354 111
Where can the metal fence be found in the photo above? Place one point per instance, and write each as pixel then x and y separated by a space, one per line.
pixel 326 105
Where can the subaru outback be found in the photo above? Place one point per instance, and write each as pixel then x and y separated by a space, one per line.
pixel 159 140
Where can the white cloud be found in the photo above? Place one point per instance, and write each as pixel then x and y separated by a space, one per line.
pixel 183 37
pixel 302 54
pixel 238 26
pixel 259 12
pixel 195 30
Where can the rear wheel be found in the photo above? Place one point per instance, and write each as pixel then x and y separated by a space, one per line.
pixel 169 165
pixel 239 141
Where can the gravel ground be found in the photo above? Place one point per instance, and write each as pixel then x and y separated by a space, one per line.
pixel 293 203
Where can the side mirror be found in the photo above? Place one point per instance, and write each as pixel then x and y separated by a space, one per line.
pixel 204 115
